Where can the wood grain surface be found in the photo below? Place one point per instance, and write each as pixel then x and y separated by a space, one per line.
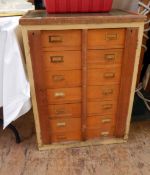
pixel 119 16
pixel 126 80
pixel 38 72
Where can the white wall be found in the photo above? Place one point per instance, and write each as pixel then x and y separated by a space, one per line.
pixel 126 4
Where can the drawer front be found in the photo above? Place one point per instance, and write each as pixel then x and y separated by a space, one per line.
pixel 60 79
pixel 106 38
pixel 108 92
pixel 103 58
pixel 96 122
pixel 100 133
pixel 65 125
pixel 65 110
pixel 65 137
pixel 65 60
pixel 100 108
pixel 61 40
pixel 104 76
pixel 64 95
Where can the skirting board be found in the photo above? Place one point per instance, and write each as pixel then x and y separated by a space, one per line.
pixel 93 142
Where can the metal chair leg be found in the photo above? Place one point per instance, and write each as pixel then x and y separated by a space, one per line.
pixel 14 130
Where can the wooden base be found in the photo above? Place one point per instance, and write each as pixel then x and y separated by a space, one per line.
pixel 93 142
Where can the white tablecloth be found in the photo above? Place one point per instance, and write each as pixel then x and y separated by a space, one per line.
pixel 14 86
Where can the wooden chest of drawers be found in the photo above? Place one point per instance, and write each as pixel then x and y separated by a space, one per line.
pixel 82 70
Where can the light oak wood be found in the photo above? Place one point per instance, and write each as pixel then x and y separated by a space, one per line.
pixel 64 95
pixel 103 58
pixel 62 79
pixel 65 110
pixel 65 125
pixel 61 40
pixel 66 137
pixel 105 132
pixel 99 93
pixel 65 60
pixel 101 108
pixel 106 38
pixel 105 76
pixel 96 122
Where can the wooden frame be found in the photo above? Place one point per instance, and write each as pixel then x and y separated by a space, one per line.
pixel 34 38
pixel 84 83
pixel 137 34
pixel 126 80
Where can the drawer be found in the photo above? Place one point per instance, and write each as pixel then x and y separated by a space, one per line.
pixel 65 137
pixel 100 108
pixel 108 92
pixel 65 125
pixel 104 76
pixel 65 60
pixel 64 110
pixel 96 122
pixel 100 133
pixel 64 95
pixel 103 58
pixel 60 79
pixel 106 38
pixel 61 40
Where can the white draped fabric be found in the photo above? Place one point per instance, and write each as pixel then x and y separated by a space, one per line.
pixel 14 86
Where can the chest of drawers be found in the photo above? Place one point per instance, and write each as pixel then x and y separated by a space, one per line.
pixel 82 70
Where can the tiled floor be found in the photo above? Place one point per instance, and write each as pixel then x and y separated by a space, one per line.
pixel 132 158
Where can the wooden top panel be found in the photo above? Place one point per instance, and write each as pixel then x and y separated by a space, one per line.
pixel 41 17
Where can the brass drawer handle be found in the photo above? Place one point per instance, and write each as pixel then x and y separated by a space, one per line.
pixel 109 75
pixel 109 57
pixel 59 94
pixel 55 39
pixel 58 78
pixel 108 92
pixel 106 120
pixel 61 124
pixel 60 111
pixel 104 134
pixel 112 36
pixel 109 106
pixel 57 59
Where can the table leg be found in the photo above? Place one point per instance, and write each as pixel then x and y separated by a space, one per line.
pixel 14 130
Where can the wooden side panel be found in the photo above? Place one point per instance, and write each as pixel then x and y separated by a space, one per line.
pixel 36 56
pixel 126 80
